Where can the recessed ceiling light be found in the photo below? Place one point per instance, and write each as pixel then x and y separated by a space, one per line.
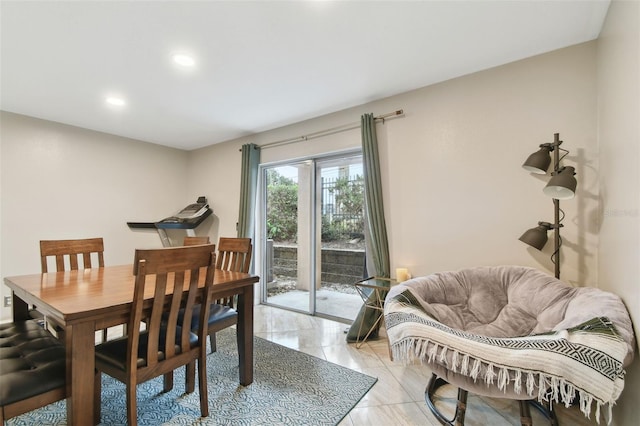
pixel 184 60
pixel 112 100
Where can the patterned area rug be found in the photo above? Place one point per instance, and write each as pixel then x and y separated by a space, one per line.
pixel 289 388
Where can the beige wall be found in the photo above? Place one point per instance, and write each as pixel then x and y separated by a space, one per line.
pixel 619 140
pixel 65 182
pixel 454 191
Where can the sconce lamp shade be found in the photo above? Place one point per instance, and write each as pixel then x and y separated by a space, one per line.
pixel 539 161
pixel 562 186
pixel 536 237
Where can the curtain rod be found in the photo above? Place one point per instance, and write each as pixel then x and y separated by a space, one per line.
pixel 331 131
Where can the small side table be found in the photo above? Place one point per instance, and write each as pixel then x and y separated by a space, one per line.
pixel 373 291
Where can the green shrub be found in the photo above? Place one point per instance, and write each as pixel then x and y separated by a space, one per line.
pixel 282 207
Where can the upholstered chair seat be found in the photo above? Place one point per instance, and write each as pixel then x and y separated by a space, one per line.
pixel 32 368
pixel 219 314
pixel 114 352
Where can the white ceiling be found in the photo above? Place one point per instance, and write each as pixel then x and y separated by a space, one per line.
pixel 260 65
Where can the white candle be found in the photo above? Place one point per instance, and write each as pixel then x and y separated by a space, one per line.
pixel 402 274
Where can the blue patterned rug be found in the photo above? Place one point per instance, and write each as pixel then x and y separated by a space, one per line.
pixel 289 388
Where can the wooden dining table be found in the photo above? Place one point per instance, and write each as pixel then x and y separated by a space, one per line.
pixel 87 300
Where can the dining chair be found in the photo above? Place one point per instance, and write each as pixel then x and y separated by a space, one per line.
pixel 71 254
pixel 234 254
pixel 167 343
pixel 194 241
pixel 72 251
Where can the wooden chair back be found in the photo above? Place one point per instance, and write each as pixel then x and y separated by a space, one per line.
pixel 195 241
pixel 178 270
pixel 78 252
pixel 234 254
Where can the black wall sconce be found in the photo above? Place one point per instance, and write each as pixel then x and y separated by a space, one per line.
pixel 561 186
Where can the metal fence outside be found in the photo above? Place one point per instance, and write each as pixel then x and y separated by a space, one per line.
pixel 342 207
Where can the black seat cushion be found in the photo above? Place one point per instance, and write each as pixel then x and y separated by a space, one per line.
pixel 32 361
pixel 217 313
pixel 114 351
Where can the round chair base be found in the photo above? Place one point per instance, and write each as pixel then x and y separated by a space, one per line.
pixel 461 406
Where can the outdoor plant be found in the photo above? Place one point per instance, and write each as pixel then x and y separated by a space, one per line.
pixel 282 207
pixel 350 195
pixel 347 221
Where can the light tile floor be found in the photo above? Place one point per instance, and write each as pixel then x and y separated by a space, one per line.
pixel 398 396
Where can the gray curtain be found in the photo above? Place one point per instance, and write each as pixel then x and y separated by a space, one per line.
pixel 248 188
pixel 377 245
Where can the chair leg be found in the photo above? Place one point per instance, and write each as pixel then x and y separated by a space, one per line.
pixel 212 341
pixel 202 386
pixel 167 382
pixel 525 413
pixel 190 377
pixel 461 405
pixel 132 407
pixel 97 397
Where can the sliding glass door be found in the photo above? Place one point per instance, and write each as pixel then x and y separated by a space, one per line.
pixel 286 226
pixel 312 229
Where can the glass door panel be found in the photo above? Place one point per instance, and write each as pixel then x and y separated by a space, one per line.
pixel 313 231
pixel 340 235
pixel 287 202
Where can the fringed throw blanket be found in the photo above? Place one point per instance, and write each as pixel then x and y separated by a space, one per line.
pixel 585 360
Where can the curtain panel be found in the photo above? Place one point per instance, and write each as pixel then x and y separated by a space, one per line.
pixel 376 241
pixel 248 188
